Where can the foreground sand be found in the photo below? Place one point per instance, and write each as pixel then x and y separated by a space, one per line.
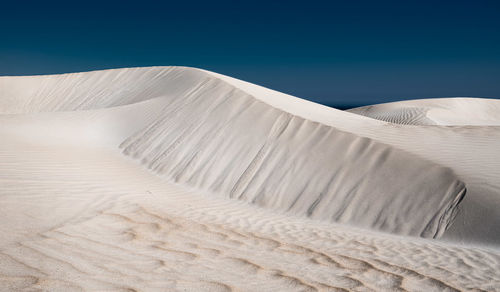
pixel 78 214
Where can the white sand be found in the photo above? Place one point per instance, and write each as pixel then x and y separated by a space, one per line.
pixel 172 178
pixel 437 111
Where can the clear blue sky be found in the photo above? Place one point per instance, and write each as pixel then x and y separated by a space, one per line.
pixel 344 53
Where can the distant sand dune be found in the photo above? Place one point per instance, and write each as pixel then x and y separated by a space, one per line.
pixel 437 111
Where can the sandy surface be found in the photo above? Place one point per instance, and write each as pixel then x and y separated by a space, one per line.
pixel 436 111
pixel 178 179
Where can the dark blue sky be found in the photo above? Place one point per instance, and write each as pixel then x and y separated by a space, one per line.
pixel 345 53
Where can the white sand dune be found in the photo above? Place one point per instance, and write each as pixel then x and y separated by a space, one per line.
pixel 470 151
pixel 173 178
pixel 436 111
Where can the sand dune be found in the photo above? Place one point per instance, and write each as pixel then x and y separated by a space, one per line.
pixel 173 178
pixel 470 151
pixel 217 138
pixel 437 111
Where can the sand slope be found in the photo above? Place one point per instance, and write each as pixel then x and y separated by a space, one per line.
pixel 470 151
pixel 78 214
pixel 218 138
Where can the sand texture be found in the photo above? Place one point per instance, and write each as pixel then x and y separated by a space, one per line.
pixel 180 179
